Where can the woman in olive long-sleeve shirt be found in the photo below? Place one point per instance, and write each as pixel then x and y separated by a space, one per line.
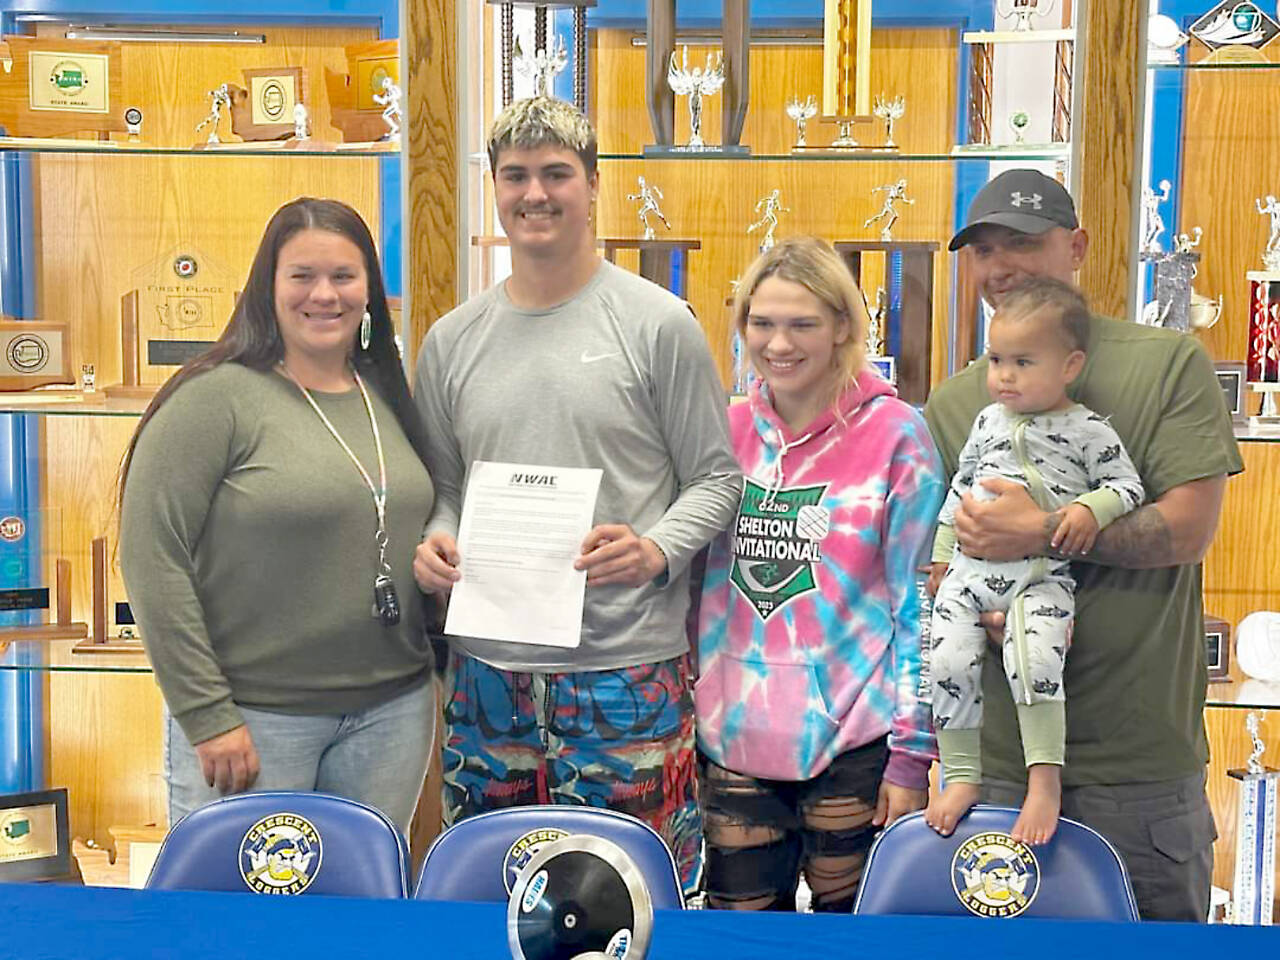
pixel 288 643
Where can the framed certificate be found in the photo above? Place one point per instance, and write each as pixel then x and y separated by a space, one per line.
pixel 1231 378
pixel 35 839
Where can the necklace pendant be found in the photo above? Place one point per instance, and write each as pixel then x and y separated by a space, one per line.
pixel 386 603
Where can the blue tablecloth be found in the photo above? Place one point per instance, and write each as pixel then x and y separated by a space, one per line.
pixel 77 923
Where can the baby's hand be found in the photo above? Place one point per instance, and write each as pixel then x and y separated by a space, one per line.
pixel 1076 531
pixel 936 572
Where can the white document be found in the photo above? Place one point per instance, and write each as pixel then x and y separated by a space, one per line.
pixel 522 526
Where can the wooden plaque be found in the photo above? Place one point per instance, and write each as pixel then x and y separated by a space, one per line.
pixel 263 108
pixel 351 102
pixel 57 88
pixel 34 354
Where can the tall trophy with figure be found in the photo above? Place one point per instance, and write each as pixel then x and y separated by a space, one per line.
pixel 1175 304
pixel 695 83
pixel 1263 364
pixel 542 66
pixel 1024 11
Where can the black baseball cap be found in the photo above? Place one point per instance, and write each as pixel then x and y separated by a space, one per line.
pixel 1022 200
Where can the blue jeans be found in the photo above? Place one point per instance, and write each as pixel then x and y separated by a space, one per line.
pixel 377 756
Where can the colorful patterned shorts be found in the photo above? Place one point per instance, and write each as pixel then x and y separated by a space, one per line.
pixel 621 739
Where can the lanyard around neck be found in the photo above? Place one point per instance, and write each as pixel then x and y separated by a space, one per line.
pixel 379 492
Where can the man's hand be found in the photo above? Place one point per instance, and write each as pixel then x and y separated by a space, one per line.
pixel 895 801
pixel 435 563
pixel 936 572
pixel 1076 531
pixel 613 554
pixel 229 761
pixel 1009 527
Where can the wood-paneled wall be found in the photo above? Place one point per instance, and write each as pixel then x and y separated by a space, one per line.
pixel 1241 575
pixel 714 200
pixel 1107 137
pixel 1229 160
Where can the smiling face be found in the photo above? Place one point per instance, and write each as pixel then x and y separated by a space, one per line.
pixel 1002 257
pixel 791 338
pixel 321 291
pixel 1030 363
pixel 544 198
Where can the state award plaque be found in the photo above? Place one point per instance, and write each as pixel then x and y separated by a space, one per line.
pixel 35 837
pixel 59 88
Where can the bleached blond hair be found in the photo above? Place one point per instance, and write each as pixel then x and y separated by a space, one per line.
pixel 540 122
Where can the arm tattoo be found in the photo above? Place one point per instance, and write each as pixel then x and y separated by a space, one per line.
pixel 1139 540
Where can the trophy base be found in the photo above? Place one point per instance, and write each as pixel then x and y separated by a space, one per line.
pixel 129 391
pixel 1245 774
pixel 1047 150
pixel 45 632
pixel 387 146
pixel 113 645
pixel 710 151
pixel 54 143
pixel 834 150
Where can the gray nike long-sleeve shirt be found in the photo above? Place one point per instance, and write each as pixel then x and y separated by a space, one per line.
pixel 619 378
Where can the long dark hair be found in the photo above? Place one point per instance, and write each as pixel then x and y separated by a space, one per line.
pixel 252 338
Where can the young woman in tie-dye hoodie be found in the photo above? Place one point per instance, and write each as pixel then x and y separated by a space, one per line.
pixel 813 709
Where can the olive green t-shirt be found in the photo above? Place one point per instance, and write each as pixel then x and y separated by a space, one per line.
pixel 247 547
pixel 1135 676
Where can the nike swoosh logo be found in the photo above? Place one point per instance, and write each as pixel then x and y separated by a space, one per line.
pixel 592 358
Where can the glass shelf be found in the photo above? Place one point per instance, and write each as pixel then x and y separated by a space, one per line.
pixel 818 154
pixel 58 656
pixel 1244 695
pixel 1201 65
pixel 269 148
pixel 1018 36
pixel 1262 434
pixel 70 403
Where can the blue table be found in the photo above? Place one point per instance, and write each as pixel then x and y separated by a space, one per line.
pixel 78 923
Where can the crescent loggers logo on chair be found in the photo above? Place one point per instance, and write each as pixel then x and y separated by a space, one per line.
pixel 777 538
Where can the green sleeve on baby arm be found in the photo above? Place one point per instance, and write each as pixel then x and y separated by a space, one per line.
pixel 1107 505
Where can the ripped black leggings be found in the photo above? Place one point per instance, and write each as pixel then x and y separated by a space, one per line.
pixel 760 834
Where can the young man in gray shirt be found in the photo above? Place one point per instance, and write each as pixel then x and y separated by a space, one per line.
pixel 573 362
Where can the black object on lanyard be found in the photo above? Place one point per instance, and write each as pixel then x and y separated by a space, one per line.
pixel 386 603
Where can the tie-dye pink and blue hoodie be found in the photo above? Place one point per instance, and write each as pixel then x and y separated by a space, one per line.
pixel 809 621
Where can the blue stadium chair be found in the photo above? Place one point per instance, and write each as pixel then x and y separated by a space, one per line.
pixel 478 858
pixel 284 842
pixel 912 870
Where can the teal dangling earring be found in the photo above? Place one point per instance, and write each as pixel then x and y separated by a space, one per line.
pixel 366 330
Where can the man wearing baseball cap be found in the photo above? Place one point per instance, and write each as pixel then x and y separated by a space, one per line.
pixel 1135 673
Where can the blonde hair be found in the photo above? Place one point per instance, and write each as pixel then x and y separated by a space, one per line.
pixel 812 263
pixel 540 122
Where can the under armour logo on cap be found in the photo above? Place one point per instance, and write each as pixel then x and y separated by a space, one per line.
pixel 1023 200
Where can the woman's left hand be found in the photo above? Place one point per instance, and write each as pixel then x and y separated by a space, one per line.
pixel 894 801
